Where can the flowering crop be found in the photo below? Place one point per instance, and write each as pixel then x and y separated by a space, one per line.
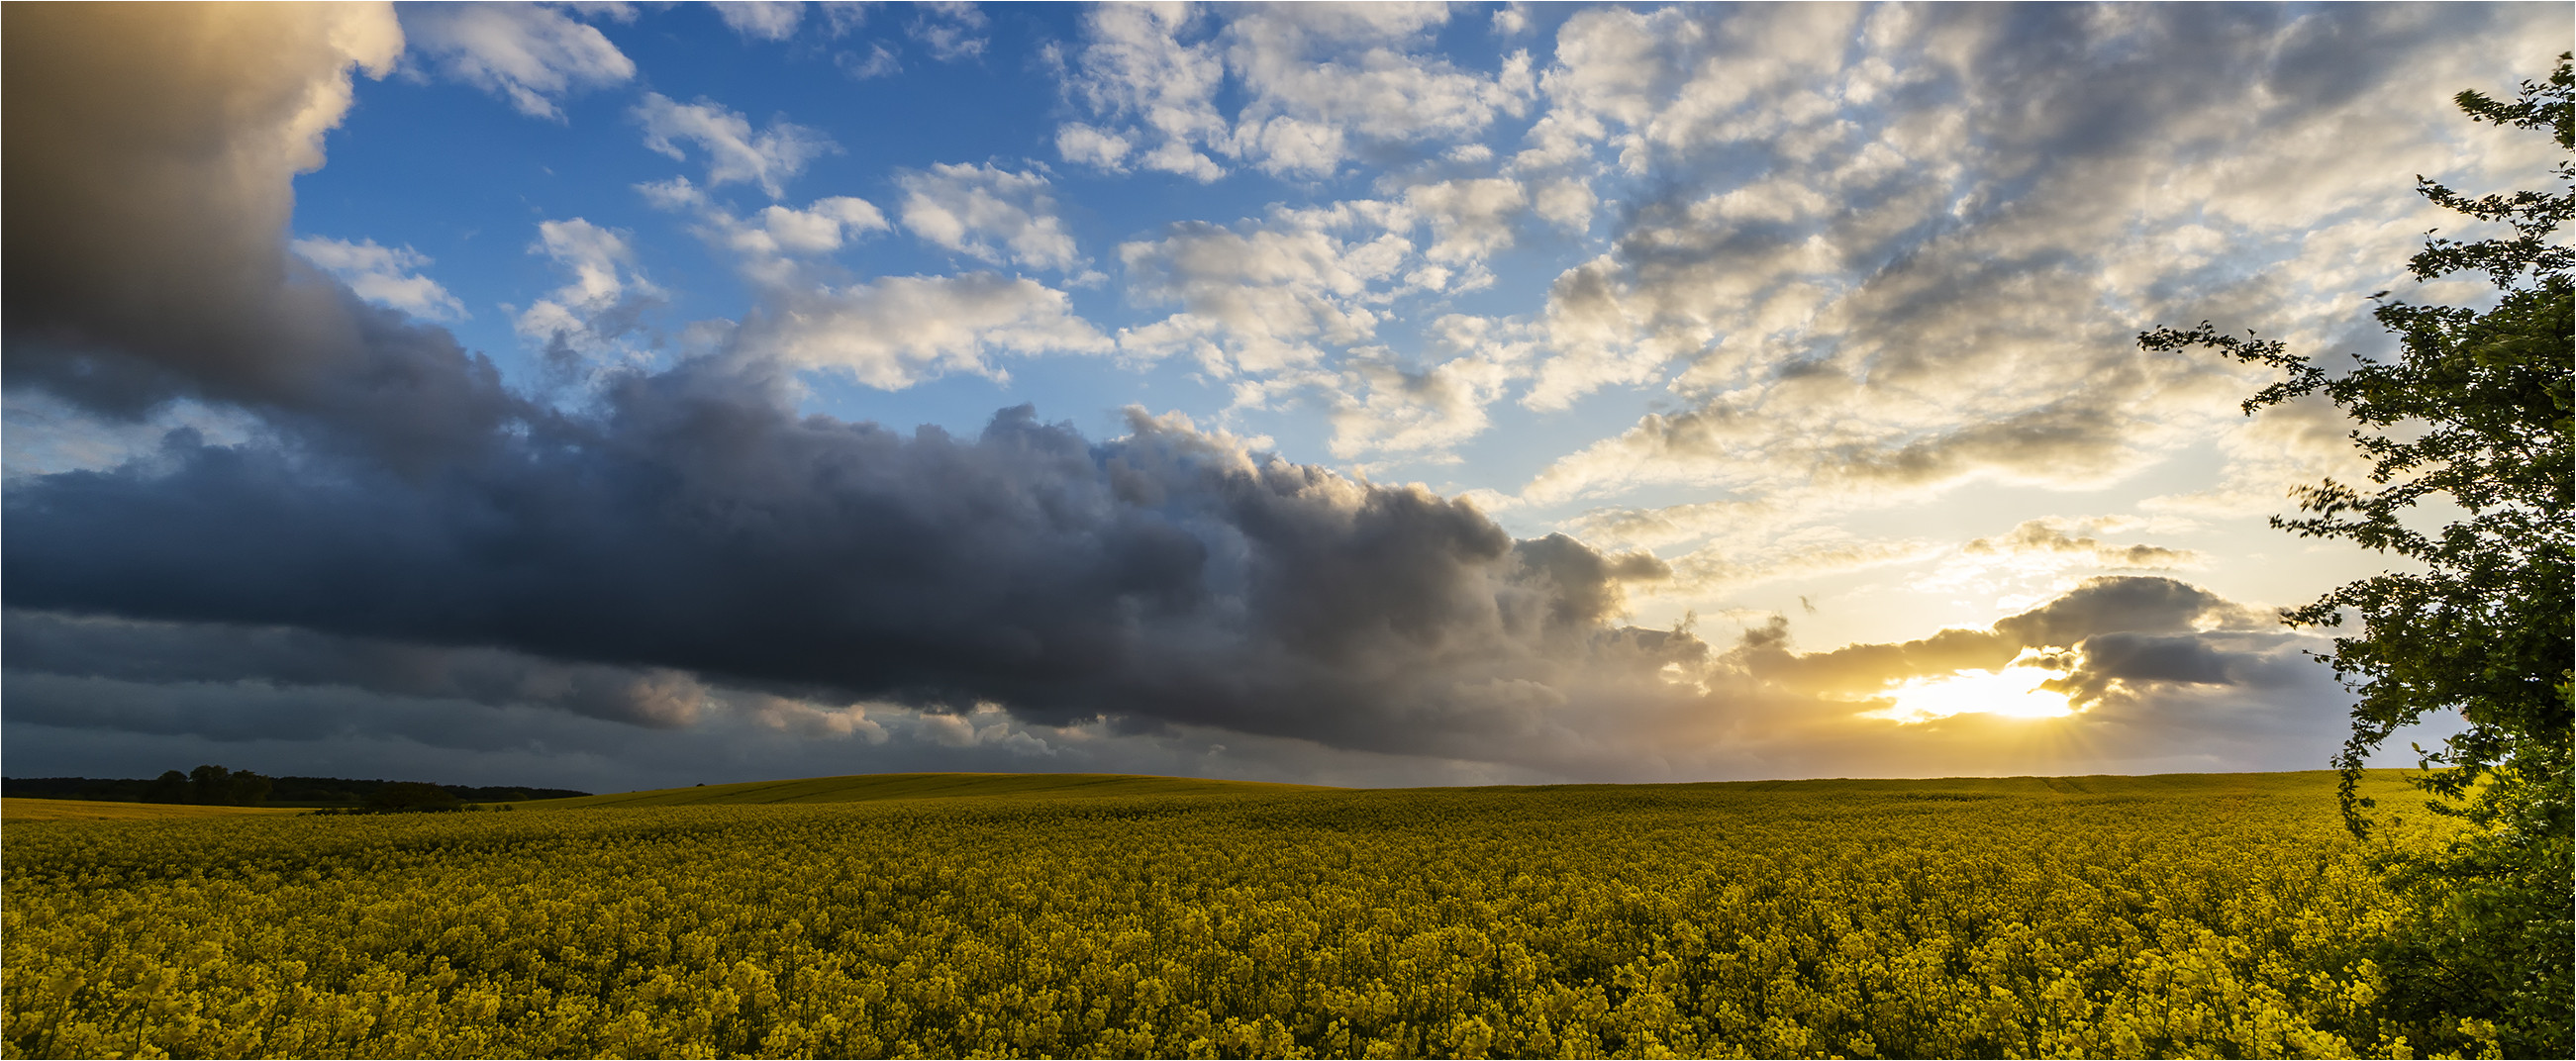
pixel 2217 915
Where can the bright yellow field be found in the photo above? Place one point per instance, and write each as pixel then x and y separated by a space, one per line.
pixel 87 810
pixel 2224 915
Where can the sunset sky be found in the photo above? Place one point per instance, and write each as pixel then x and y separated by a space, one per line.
pixel 608 396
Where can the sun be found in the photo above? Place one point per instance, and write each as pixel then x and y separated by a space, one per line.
pixel 2013 692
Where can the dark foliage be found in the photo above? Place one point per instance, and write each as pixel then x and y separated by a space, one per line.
pixel 2473 418
pixel 172 787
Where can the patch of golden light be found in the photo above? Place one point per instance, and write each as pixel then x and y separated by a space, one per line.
pixel 2012 692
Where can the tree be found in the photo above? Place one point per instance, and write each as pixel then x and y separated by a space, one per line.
pixel 412 795
pixel 170 787
pixel 215 785
pixel 209 784
pixel 2473 412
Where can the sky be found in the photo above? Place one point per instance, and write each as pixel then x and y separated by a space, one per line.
pixel 615 396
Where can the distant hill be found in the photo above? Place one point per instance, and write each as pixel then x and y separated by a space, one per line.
pixel 863 787
pixel 284 791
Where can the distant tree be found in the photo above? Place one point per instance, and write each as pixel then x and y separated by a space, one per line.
pixel 412 795
pixel 2473 416
pixel 209 784
pixel 170 787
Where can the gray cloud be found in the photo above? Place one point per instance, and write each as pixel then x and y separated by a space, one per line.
pixel 700 525
pixel 2051 537
pixel 151 155
pixel 2128 604
pixel 162 653
pixel 2117 627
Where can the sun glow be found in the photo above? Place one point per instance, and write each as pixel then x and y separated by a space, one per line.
pixel 2013 692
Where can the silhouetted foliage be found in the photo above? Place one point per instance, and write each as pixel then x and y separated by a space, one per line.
pixel 170 787
pixel 217 786
pixel 2473 413
pixel 173 787
pixel 413 795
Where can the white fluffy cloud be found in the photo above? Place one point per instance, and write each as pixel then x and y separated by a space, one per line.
pixel 386 276
pixel 762 20
pixel 896 331
pixel 1380 405
pixel 772 243
pixel 989 213
pixel 529 54
pixel 950 30
pixel 1088 146
pixel 1319 82
pixel 588 315
pixel 768 158
pixel 1469 219
pixel 1134 67
pixel 1258 297
pixel 1323 79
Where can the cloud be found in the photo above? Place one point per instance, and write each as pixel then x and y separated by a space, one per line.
pixel 2114 635
pixel 989 213
pixel 2050 537
pixel 692 571
pixel 1897 250
pixel 762 20
pixel 386 276
pixel 2129 604
pixel 529 54
pixel 1256 297
pixel 1381 405
pixel 1134 67
pixel 772 245
pixel 1165 577
pixel 896 331
pixel 152 156
pixel 604 301
pixel 893 332
pixel 879 62
pixel 1088 146
pixel 77 647
pixel 1325 83
pixel 734 153
pixel 948 29
pixel 1469 219
pixel 1320 86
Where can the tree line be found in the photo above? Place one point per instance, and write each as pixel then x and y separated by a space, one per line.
pixel 215 785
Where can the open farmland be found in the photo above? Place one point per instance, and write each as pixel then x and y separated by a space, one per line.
pixel 85 810
pixel 2200 915
pixel 866 787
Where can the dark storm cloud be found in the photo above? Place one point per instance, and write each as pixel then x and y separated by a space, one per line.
pixel 151 152
pixel 166 653
pixel 698 524
pixel 2111 667
pixel 2127 604
pixel 2136 629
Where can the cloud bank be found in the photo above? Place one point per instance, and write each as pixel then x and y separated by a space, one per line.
pixel 400 550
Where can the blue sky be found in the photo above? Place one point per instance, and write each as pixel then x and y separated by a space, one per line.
pixel 1810 328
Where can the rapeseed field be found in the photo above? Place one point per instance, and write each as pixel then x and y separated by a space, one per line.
pixel 2222 915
